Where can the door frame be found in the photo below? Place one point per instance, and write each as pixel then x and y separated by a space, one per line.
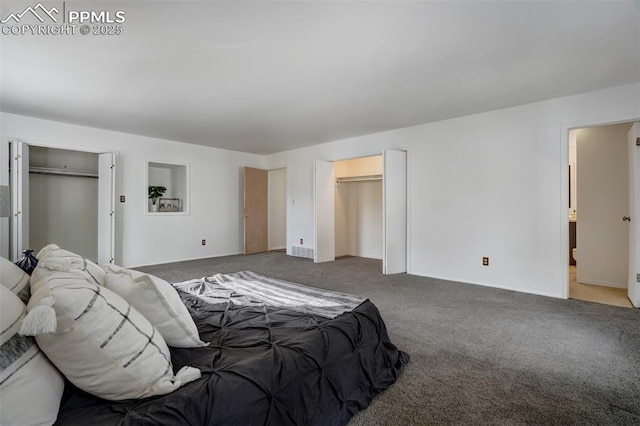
pixel 286 206
pixel 93 150
pixel 564 188
pixel 287 213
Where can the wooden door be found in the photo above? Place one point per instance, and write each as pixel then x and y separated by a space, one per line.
pixel 255 210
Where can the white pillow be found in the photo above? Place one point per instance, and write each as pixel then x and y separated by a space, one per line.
pixel 66 260
pixel 159 302
pixel 98 341
pixel 15 279
pixel 30 387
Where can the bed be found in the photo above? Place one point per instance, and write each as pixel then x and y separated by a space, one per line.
pixel 268 362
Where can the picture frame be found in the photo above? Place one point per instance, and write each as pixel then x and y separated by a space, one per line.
pixel 169 205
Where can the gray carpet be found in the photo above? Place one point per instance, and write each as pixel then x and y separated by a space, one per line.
pixel 478 355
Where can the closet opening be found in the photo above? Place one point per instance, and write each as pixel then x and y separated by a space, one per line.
pixel 64 197
pixel 361 209
pixel 358 207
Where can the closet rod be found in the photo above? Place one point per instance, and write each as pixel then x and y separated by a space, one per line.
pixel 62 172
pixel 358 178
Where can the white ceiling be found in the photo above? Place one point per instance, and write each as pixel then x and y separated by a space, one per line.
pixel 266 76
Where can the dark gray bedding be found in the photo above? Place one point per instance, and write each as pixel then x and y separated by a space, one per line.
pixel 265 365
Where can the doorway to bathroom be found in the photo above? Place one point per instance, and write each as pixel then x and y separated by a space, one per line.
pixel 602 234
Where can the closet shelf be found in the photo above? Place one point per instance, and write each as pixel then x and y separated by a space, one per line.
pixel 62 172
pixel 358 178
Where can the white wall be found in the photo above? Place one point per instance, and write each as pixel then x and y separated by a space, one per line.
pixel 358 205
pixel 491 184
pixel 64 210
pixel 277 191
pixel 158 176
pixel 215 195
pixel 343 243
pixel 358 208
pixel 359 219
pixel 603 191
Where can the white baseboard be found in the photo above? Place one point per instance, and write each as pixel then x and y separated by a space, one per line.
pixel 492 285
pixel 180 260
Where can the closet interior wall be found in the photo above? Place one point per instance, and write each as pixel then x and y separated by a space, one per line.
pixel 358 207
pixel 63 197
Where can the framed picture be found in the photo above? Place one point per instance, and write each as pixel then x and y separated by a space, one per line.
pixel 170 205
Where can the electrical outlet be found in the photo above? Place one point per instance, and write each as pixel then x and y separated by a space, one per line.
pixel 301 241
pixel 204 242
pixel 122 198
pixel 485 261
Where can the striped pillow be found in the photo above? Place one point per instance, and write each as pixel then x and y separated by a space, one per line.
pixel 15 279
pixel 159 302
pixel 30 387
pixel 100 343
pixel 63 260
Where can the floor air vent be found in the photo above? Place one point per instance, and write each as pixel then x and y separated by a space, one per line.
pixel 301 251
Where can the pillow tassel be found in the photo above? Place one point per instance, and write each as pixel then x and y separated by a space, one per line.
pixel 41 319
pixel 186 374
